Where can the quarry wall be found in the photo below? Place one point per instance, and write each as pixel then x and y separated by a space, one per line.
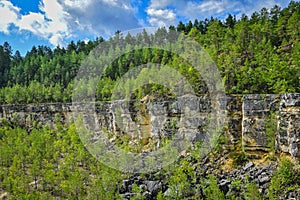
pixel 255 119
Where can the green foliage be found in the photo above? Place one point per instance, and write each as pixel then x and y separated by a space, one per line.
pixel 135 148
pixel 218 139
pixel 237 184
pixel 180 180
pixel 239 158
pixel 271 130
pixel 265 45
pixel 213 191
pixel 52 163
pixel 160 196
pixel 138 191
pixel 234 189
pixel 252 192
pixel 284 176
pixel 197 150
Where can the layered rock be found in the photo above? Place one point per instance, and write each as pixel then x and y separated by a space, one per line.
pixel 288 137
pixel 189 116
pixel 256 111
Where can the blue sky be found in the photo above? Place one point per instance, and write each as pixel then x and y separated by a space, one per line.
pixel 24 23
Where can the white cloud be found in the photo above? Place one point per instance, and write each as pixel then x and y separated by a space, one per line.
pixel 101 17
pixel 159 14
pixel 51 24
pixel 201 9
pixel 58 26
pixel 53 10
pixel 160 3
pixel 57 39
pixel 8 15
pixel 206 9
pixel 161 17
pixel 209 6
pixel 250 6
pixel 33 22
pixel 62 19
pixel 77 3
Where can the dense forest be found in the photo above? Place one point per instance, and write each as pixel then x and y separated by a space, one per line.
pixel 256 54
pixel 52 163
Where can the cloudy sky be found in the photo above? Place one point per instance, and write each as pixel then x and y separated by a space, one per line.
pixel 24 23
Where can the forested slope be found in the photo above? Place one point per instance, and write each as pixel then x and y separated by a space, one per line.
pixel 256 54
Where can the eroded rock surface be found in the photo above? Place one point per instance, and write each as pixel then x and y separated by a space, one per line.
pixel 245 115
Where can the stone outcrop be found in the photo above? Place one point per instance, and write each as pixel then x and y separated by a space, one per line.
pixel 246 117
pixel 288 136
pixel 232 183
pixel 256 109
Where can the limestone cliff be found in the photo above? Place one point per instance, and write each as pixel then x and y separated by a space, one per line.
pixel 247 118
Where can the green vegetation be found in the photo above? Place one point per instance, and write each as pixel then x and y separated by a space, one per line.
pixel 180 180
pixel 265 45
pixel 52 163
pixel 285 178
pixel 236 188
pixel 271 130
pixel 252 192
pixel 239 158
pixel 213 191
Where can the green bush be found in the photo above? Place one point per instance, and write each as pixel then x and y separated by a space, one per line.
pixel 213 192
pixel 283 177
pixel 271 130
pixel 52 163
pixel 181 179
pixel 252 192
pixel 239 158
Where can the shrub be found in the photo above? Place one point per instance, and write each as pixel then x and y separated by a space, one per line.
pixel 181 179
pixel 239 158
pixel 282 178
pixel 271 130
pixel 252 192
pixel 213 191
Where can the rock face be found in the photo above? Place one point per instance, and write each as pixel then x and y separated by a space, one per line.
pixel 234 117
pixel 246 117
pixel 256 109
pixel 288 137
pixel 24 115
pixel 231 183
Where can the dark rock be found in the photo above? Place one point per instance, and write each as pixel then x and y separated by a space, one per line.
pixel 153 186
pixel 266 185
pixel 127 196
pixel 224 185
pixel 147 195
pixel 264 179
pixel 292 195
pixel 143 187
pixel 126 186
pixel 248 166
